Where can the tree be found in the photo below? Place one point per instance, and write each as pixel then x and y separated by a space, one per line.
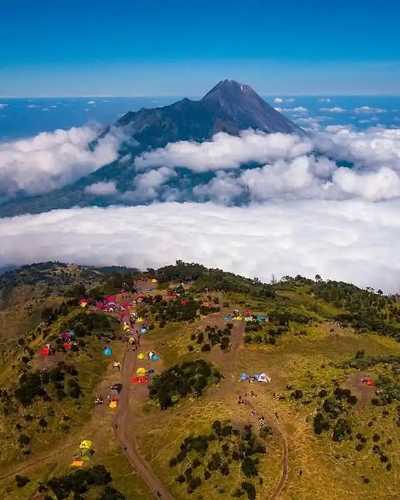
pixel 249 489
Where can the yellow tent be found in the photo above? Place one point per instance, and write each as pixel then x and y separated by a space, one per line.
pixel 113 404
pixel 154 280
pixel 139 319
pixel 86 444
pixel 140 371
pixel 141 355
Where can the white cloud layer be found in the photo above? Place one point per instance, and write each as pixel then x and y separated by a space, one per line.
pixel 51 160
pixel 334 109
pixel 368 109
pixel 291 167
pixel 101 189
pixel 355 241
pixel 226 151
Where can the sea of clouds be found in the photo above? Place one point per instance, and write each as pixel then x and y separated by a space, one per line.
pixel 325 203
pixel 352 240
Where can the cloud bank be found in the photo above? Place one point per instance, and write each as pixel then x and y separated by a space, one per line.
pixel 51 160
pixel 282 167
pixel 352 240
pixel 226 151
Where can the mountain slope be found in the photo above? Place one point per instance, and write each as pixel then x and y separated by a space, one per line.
pixel 228 107
pixel 330 350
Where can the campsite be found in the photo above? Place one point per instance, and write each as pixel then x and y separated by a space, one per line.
pixel 138 400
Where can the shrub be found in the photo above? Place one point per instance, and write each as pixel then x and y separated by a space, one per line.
pixel 250 490
pixel 21 480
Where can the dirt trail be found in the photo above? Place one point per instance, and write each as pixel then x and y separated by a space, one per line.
pixel 126 435
pixel 274 424
pixel 285 463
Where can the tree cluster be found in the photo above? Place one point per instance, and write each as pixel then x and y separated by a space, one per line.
pixel 189 378
pixel 204 456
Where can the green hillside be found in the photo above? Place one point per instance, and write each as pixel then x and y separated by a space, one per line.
pixel 231 388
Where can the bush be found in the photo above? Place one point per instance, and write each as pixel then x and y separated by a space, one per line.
pixel 21 480
pixel 320 423
pixel 250 490
pixel 249 468
pixel 24 440
pixel 111 493
pixel 342 430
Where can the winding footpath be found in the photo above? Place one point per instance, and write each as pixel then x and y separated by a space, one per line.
pixel 126 434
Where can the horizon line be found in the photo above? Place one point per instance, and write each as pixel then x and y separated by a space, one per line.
pixel 176 96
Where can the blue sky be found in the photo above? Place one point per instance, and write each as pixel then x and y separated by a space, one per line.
pixel 182 47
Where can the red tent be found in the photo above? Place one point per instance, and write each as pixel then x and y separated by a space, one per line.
pixel 144 379
pixel 367 381
pixel 67 346
pixel 45 350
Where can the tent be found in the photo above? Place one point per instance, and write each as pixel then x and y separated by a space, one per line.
pixel 262 377
pixel 154 356
pixel 113 404
pixel 367 381
pixel 67 335
pixel 83 302
pixel 77 462
pixel 141 371
pixel 244 376
pixel 141 355
pixel 107 351
pixel 139 380
pixel 86 444
pixel 67 346
pixel 45 350
pixel 116 387
pixel 143 330
pixel 154 280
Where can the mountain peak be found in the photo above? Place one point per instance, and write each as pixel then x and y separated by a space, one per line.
pixel 228 88
pixel 241 107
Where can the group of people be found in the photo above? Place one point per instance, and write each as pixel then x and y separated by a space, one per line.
pixel 242 400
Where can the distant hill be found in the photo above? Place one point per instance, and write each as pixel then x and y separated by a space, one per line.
pixel 228 107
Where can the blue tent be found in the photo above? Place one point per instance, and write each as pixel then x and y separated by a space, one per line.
pixel 244 377
pixel 107 351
